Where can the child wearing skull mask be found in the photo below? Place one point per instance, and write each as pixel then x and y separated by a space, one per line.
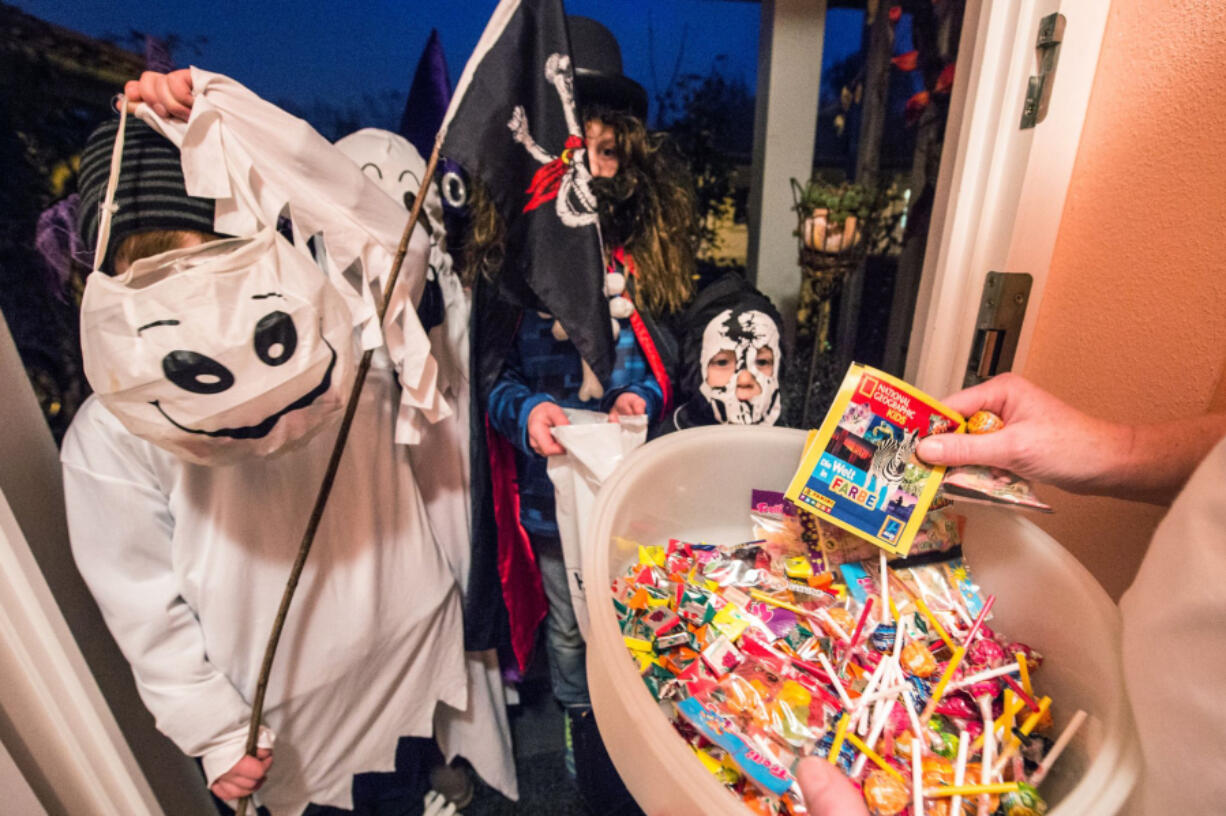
pixel 646 215
pixel 187 574
pixel 731 358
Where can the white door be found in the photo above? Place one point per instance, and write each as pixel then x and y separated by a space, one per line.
pixel 1001 190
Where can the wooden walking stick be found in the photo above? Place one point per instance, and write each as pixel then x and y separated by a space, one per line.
pixel 325 487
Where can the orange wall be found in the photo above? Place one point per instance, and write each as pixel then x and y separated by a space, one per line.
pixel 1133 319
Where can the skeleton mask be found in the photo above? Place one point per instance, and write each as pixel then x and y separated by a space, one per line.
pixel 231 349
pixel 745 335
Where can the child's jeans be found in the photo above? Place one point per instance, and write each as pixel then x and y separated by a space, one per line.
pixel 563 643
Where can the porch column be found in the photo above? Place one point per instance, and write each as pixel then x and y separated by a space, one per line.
pixel 785 127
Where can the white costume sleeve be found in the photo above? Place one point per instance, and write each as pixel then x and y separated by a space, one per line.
pixel 255 160
pixel 121 527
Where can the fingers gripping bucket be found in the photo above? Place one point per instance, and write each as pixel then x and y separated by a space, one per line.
pixel 695 485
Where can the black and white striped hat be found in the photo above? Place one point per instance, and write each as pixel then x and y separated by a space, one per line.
pixel 150 194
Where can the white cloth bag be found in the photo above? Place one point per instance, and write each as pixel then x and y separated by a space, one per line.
pixel 594 449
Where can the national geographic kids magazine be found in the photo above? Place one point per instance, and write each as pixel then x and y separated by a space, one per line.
pixel 860 471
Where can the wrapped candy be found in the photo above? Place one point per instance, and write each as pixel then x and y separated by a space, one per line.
pixel 982 422
pixel 986 653
pixel 1025 801
pixel 918 660
pixel 985 688
pixel 884 794
pixel 760 654
pixel 882 638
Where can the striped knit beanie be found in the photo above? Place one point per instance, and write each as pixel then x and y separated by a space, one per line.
pixel 150 194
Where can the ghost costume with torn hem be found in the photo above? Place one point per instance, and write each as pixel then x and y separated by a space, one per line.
pixel 188 574
pixel 187 562
pixel 399 170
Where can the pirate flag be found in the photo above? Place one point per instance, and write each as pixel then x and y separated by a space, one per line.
pixel 513 124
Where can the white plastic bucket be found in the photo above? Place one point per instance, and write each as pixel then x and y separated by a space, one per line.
pixel 696 484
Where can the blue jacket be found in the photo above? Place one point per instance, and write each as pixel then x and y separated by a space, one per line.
pixel 540 368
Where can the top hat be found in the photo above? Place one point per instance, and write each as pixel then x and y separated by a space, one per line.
pixel 597 61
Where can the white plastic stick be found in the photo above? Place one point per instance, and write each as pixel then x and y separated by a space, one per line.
pixel 955 806
pixel 989 674
pixel 834 681
pixel 885 589
pixel 1062 742
pixel 880 694
pixel 911 715
pixel 829 621
pixel 917 780
pixel 862 705
pixel 873 736
pixel 989 752
pixel 898 640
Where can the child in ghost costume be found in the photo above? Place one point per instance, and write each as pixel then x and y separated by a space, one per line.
pixel 220 368
pixel 731 358
pixel 394 164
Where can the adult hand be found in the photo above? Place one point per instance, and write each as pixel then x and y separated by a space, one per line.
pixel 541 421
pixel 245 777
pixel 1048 440
pixel 627 404
pixel 168 94
pixel 1043 438
pixel 827 791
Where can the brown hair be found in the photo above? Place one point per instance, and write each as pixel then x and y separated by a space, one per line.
pixel 648 208
pixel 152 242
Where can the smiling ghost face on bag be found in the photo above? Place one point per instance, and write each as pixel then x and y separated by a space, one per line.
pixel 234 348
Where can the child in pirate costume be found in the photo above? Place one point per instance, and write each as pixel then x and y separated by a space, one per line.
pixel 528 371
pixel 220 366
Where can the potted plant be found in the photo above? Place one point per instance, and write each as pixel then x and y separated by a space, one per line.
pixel 839 217
pixel 839 222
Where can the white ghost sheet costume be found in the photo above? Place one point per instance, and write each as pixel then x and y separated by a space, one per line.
pixel 396 166
pixel 744 333
pixel 187 561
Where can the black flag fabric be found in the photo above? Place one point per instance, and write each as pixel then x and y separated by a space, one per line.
pixel 513 123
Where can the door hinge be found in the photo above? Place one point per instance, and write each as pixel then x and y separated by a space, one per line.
pixel 1038 93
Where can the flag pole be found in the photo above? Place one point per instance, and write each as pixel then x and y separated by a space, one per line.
pixel 325 487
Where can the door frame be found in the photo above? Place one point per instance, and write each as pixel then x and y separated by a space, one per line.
pixel 1001 190
pixel 77 758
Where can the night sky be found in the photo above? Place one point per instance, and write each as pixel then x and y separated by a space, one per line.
pixel 331 51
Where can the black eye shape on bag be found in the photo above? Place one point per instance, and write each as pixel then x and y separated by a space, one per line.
pixel 275 341
pixel 275 338
pixel 196 373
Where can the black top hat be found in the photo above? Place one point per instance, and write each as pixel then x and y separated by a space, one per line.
pixel 598 69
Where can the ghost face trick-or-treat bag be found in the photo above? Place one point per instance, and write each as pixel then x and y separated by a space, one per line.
pixel 231 349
